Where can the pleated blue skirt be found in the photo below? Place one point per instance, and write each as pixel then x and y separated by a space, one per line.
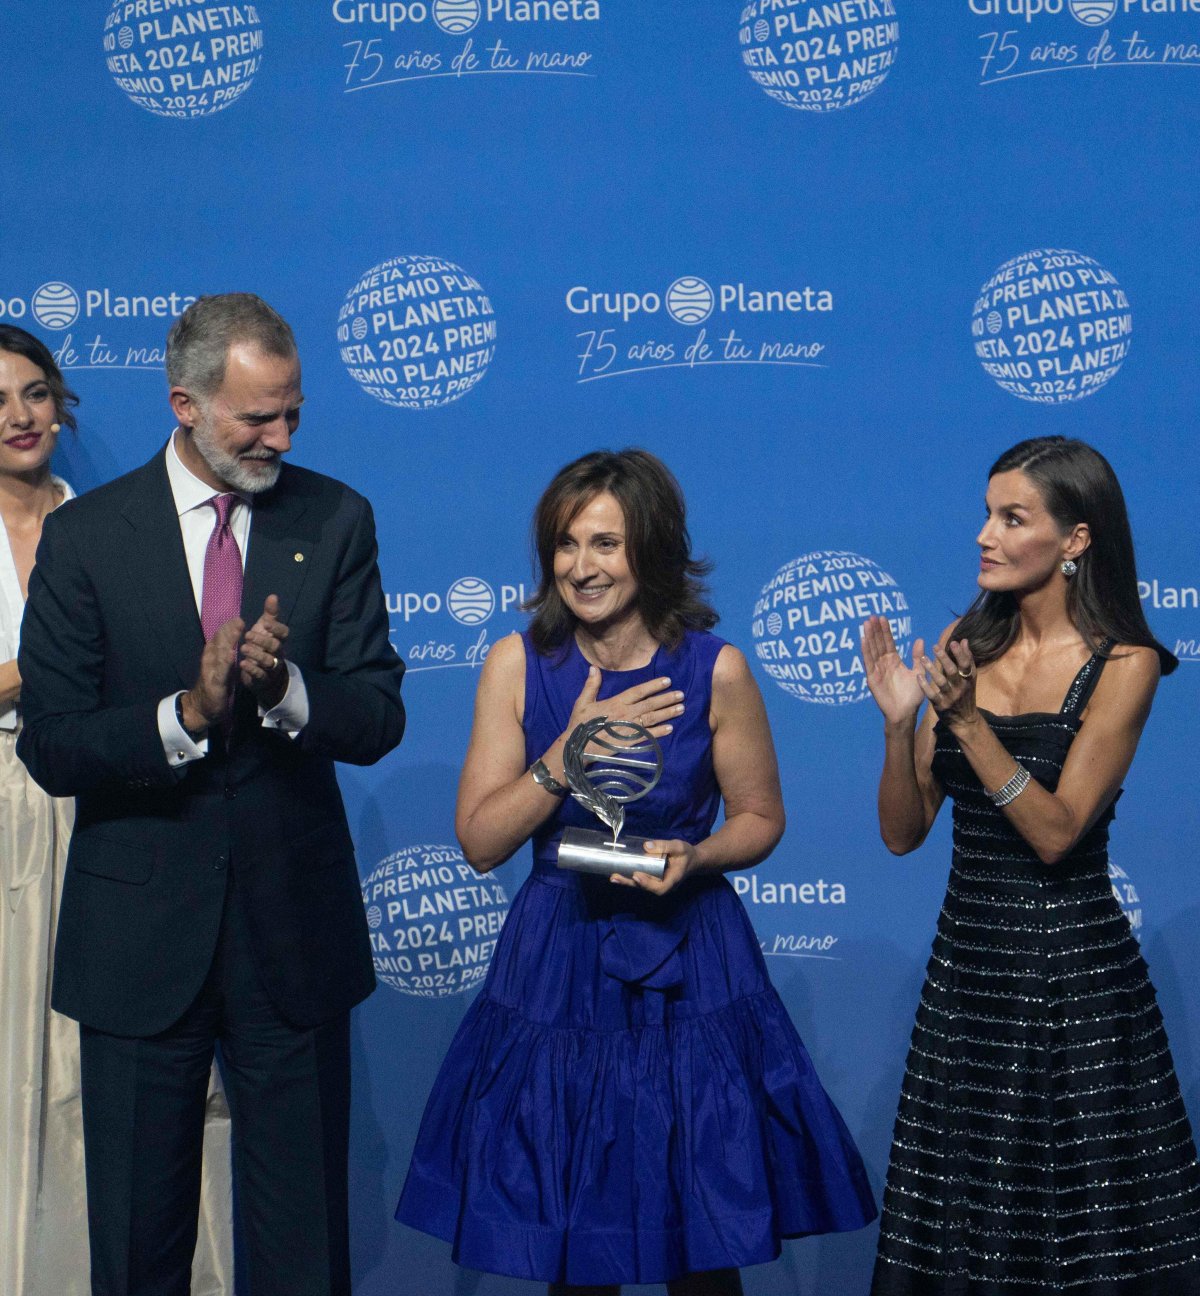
pixel 627 1100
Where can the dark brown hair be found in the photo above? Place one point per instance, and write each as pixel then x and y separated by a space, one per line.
pixel 1077 484
pixel 670 581
pixel 17 342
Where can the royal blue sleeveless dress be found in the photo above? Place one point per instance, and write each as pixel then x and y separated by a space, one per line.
pixel 626 1100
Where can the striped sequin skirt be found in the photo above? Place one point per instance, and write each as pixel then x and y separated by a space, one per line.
pixel 1041 1142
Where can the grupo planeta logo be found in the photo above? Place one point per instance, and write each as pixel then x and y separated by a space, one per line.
pixel 818 56
pixel 1031 38
pixel 1181 628
pixel 183 61
pixel 792 919
pixel 416 332
pixel 723 323
pixel 399 42
pixel 98 327
pixel 1051 326
pixel 433 921
pixel 452 628
pixel 808 620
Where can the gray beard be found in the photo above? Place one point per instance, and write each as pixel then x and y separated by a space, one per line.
pixel 232 470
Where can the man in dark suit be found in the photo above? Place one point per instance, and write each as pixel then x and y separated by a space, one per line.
pixel 211 896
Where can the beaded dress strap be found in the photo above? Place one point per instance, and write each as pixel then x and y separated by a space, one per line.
pixel 1089 673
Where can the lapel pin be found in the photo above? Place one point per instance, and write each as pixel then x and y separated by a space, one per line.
pixel 299 557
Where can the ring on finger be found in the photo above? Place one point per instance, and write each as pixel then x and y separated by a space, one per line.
pixel 966 674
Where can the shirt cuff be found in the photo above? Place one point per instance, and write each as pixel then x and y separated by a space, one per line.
pixel 178 745
pixel 290 713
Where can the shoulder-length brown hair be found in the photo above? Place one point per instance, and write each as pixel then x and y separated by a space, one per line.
pixel 671 590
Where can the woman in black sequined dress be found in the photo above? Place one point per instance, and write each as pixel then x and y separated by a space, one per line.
pixel 1041 1142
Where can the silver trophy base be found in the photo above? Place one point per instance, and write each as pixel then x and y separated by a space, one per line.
pixel 583 851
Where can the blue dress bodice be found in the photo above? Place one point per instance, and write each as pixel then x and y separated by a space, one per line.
pixel 685 802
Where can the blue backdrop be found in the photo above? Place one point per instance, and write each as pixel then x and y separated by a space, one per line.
pixel 826 258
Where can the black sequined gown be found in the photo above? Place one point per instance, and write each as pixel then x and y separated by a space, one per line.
pixel 1041 1143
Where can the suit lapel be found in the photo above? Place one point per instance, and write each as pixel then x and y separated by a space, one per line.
pixel 279 558
pixel 158 566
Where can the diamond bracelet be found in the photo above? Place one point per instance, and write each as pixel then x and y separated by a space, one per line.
pixel 1013 788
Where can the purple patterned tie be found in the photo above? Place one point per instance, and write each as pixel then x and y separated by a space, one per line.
pixel 221 597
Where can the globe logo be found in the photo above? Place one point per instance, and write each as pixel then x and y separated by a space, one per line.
pixel 1060 326
pixel 149 63
pixel 456 16
pixel 470 600
pixel 825 69
pixel 621 760
pixel 374 917
pixel 438 921
pixel 1092 13
pixel 56 305
pixel 807 624
pixel 427 333
pixel 690 301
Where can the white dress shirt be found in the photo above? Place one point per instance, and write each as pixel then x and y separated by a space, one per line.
pixel 12 606
pixel 196 519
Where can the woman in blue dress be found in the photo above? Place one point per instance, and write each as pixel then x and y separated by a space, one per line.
pixel 627 1099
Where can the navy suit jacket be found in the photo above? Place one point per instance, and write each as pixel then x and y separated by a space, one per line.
pixel 111 628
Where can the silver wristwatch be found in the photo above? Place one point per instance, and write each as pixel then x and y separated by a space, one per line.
pixel 543 778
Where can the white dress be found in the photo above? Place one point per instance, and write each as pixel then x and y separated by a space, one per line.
pixel 43 1202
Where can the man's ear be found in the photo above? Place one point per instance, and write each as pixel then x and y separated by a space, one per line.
pixel 184 406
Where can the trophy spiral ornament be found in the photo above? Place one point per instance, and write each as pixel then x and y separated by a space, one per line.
pixel 609 763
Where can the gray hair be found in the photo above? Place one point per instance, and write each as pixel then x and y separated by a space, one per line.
pixel 199 341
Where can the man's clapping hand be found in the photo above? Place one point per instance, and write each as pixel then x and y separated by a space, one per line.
pixel 207 702
pixel 261 664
